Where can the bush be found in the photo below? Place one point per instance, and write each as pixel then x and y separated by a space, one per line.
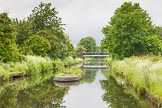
pixel 58 65
pixel 38 65
pixel 45 67
pixel 36 45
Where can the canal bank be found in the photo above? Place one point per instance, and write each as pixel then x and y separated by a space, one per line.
pixel 141 73
pixel 36 65
pixel 95 89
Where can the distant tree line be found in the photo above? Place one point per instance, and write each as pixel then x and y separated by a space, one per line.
pixel 131 32
pixel 86 44
pixel 40 34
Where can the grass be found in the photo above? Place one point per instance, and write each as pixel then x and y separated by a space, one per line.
pixel 74 71
pixel 67 67
pixel 143 73
pixel 37 65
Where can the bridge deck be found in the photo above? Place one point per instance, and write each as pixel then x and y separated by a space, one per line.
pixel 94 67
pixel 95 55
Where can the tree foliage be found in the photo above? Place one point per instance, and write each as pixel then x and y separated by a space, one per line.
pixel 79 50
pixel 89 43
pixel 153 45
pixel 8 48
pixel 23 31
pixel 58 45
pixel 69 47
pixel 45 23
pixel 44 18
pixel 128 32
pixel 36 45
pixel 41 34
pixel 159 31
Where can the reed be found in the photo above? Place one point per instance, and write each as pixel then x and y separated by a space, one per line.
pixel 143 73
pixel 37 65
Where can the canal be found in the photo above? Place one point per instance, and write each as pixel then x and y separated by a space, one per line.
pixel 97 89
pixel 89 93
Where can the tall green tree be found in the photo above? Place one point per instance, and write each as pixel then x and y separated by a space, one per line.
pixel 23 31
pixel 89 43
pixel 128 31
pixel 8 48
pixel 45 17
pixel 58 45
pixel 46 23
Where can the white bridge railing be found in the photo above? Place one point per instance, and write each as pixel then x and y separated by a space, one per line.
pixel 95 54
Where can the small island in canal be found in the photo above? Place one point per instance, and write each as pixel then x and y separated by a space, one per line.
pixel 67 78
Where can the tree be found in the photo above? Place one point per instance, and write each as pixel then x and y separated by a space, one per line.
pixel 89 43
pixel 159 31
pixel 44 17
pixel 36 45
pixel 8 48
pixel 58 45
pixel 154 45
pixel 23 31
pixel 44 22
pixel 79 50
pixel 128 31
pixel 69 47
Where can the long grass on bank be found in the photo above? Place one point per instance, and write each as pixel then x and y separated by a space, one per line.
pixel 144 73
pixel 37 65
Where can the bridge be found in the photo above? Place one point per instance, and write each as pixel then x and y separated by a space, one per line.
pixel 95 54
pixel 94 67
pixel 95 63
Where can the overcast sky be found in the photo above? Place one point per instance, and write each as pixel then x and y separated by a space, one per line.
pixel 82 17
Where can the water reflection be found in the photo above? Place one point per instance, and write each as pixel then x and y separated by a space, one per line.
pixel 97 61
pixel 44 95
pixel 96 90
pixel 41 95
pixel 117 97
pixel 86 95
pixel 67 84
pixel 90 76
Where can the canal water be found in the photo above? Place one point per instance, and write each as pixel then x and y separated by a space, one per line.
pixel 97 89
pixel 88 94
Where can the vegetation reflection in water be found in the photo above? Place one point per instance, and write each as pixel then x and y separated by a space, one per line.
pixel 90 76
pixel 41 92
pixel 119 97
pixel 31 93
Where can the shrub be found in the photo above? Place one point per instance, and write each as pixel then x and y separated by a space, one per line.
pixel 58 65
pixel 36 45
